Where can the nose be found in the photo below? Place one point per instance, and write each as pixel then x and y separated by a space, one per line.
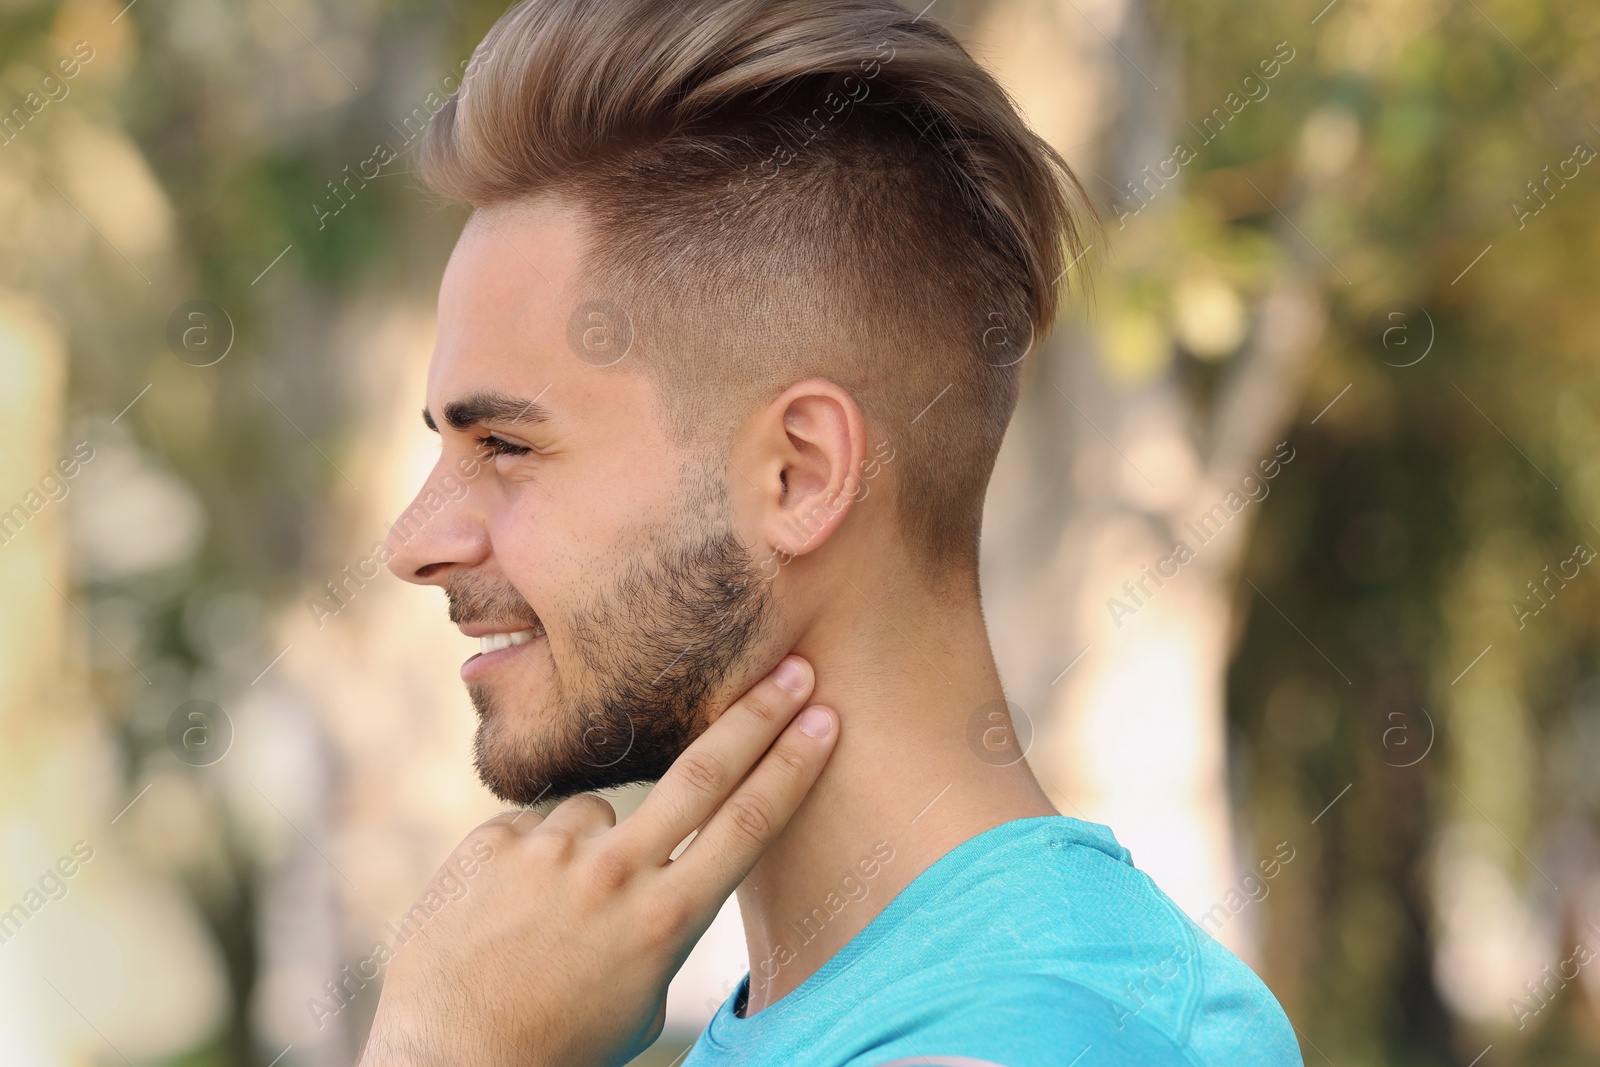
pixel 440 532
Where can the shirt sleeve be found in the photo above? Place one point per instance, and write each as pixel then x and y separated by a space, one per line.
pixel 1022 1021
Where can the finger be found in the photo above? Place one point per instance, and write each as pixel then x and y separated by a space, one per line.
pixel 707 771
pixel 518 821
pixel 582 815
pixel 731 841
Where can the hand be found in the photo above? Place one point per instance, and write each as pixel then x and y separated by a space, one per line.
pixel 561 949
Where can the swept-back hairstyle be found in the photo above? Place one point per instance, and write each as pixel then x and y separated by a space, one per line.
pixel 778 189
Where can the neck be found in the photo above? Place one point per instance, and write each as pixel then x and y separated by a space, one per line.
pixel 922 764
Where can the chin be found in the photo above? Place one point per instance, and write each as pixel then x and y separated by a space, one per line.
pixel 525 757
pixel 679 631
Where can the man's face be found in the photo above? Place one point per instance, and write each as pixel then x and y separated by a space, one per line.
pixel 596 562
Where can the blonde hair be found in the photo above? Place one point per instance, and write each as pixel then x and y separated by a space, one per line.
pixel 786 188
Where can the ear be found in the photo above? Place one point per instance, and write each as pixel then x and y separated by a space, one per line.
pixel 812 443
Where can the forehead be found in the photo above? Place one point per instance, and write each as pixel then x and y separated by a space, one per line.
pixel 507 306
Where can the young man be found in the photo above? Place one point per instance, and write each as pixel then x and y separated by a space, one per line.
pixel 725 357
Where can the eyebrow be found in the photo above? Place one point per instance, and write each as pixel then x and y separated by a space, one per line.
pixel 477 408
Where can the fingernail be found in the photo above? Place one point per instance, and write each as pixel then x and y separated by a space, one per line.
pixel 814 722
pixel 790 674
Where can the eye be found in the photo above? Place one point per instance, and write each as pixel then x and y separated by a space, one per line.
pixel 499 447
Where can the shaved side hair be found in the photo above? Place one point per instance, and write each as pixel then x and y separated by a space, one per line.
pixel 782 189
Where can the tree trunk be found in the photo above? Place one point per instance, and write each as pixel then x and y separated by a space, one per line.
pixel 1119 671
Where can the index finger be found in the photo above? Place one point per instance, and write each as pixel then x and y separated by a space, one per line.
pixel 709 769
pixel 732 840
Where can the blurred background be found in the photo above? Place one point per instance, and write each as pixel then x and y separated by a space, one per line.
pixel 1340 348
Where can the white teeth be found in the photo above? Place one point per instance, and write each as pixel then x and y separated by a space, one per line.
pixel 495 642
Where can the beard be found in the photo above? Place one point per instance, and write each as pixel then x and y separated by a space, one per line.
pixel 655 647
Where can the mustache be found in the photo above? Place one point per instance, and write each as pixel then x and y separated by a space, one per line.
pixel 476 599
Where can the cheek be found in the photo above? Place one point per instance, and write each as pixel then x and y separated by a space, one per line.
pixel 527 539
pixel 559 551
pixel 565 536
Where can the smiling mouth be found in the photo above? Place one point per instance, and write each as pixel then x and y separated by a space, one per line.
pixel 508 639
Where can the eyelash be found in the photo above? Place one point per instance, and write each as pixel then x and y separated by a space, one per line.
pixel 500 447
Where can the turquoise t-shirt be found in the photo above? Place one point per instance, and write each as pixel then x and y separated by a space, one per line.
pixel 1035 944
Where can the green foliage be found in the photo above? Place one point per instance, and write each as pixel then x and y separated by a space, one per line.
pixel 1421 503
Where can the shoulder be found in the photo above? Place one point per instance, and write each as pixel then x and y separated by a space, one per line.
pixel 1063 928
pixel 1024 1021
